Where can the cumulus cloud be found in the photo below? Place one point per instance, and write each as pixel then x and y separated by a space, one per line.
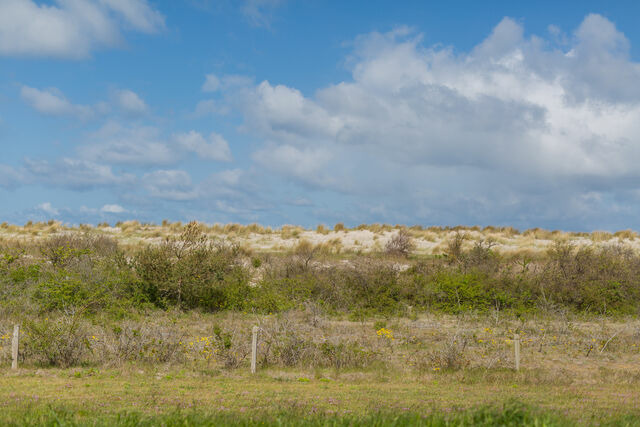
pixel 137 14
pixel 526 130
pixel 210 106
pixel 308 165
pixel 145 146
pixel 71 28
pixel 113 209
pixel 170 185
pixel 223 91
pixel 133 145
pixel 230 184
pixel 213 83
pixel 52 102
pixel 47 208
pixel 129 102
pixel 239 193
pixel 492 129
pixel 215 147
pixel 76 174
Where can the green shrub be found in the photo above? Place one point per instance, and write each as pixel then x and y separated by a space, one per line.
pixel 61 291
pixel 61 341
pixel 192 272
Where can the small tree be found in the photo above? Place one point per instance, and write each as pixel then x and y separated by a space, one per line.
pixel 454 249
pixel 400 244
pixel 305 250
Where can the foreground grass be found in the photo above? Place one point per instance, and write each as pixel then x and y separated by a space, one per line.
pixel 133 396
pixel 513 414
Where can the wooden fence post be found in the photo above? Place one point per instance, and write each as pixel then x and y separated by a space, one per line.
pixel 14 346
pixel 254 349
pixel 516 347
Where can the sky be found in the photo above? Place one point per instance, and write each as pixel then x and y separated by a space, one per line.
pixel 504 113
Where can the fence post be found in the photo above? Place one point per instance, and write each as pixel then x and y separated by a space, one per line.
pixel 516 347
pixel 14 346
pixel 254 349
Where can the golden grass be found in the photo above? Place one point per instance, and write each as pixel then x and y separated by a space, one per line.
pixel 556 349
pixel 370 238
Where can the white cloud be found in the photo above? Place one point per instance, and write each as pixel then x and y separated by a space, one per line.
pixel 492 129
pixel 519 130
pixel 138 14
pixel 75 174
pixel 71 28
pixel 308 165
pixel 130 102
pixel 230 183
pixel 170 185
pixel 210 106
pixel 47 208
pixel 230 177
pixel 224 90
pixel 213 83
pixel 215 147
pixel 135 145
pixel 52 102
pixel 113 209
pixel 260 12
pixel 284 113
pixel 138 145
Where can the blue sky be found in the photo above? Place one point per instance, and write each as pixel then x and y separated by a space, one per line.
pixel 283 111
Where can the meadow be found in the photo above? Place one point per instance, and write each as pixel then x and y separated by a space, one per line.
pixel 389 325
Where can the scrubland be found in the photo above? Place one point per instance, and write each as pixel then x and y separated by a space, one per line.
pixel 135 324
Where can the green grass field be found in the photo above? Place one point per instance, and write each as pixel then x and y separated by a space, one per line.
pixel 135 395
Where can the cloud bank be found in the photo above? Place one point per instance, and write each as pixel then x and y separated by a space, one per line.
pixel 540 130
pixel 518 129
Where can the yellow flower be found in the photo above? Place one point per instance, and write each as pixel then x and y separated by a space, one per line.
pixel 383 332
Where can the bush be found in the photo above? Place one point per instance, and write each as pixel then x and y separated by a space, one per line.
pixel 90 273
pixel 193 272
pixel 63 249
pixel 401 244
pixel 345 355
pixel 452 355
pixel 61 291
pixel 61 342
